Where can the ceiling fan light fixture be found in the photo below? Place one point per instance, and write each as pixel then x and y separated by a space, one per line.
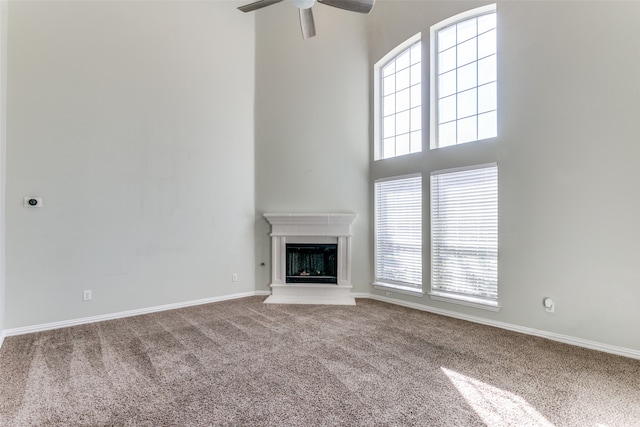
pixel 303 4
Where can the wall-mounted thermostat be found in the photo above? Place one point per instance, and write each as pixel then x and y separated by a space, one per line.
pixel 33 202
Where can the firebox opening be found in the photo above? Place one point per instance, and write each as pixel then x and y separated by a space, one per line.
pixel 312 263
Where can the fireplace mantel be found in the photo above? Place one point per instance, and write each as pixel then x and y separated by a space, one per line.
pixel 310 228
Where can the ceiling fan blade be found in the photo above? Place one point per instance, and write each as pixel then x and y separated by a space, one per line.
pixel 360 6
pixel 307 24
pixel 258 5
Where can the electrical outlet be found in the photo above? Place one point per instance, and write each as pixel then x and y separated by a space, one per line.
pixel 234 277
pixel 549 305
pixel 86 296
pixel 388 294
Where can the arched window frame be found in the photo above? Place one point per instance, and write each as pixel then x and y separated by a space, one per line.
pixel 437 138
pixel 415 132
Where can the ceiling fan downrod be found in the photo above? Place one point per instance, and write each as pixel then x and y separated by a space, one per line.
pixel 307 23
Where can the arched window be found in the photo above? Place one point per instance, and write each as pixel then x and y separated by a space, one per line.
pixel 398 107
pixel 464 78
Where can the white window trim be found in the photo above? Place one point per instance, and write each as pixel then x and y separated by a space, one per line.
pixel 433 80
pixel 465 300
pixel 377 90
pixel 407 290
pixel 397 287
pixel 465 168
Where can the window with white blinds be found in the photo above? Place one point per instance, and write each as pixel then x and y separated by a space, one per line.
pixel 464 234
pixel 398 232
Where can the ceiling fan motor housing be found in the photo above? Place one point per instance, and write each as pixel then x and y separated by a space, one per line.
pixel 303 4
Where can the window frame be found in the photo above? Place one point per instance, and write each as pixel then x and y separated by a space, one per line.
pixel 433 71
pixel 383 283
pixel 461 298
pixel 378 139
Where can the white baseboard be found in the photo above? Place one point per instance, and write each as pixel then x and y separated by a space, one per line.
pixel 593 345
pixel 566 339
pixel 122 314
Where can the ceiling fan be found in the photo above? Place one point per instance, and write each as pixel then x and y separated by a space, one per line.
pixel 306 16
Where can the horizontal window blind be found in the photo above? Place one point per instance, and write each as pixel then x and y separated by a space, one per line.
pixel 464 234
pixel 398 231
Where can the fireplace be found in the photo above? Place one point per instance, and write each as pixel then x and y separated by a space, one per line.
pixel 311 258
pixel 311 263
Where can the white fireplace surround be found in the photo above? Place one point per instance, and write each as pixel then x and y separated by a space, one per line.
pixel 310 228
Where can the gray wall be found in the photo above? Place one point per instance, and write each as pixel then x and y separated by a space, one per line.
pixel 134 122
pixel 3 129
pixel 312 146
pixel 568 155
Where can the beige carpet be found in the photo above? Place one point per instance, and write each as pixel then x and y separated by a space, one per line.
pixel 244 363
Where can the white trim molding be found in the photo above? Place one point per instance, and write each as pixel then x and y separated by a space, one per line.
pixel 468 301
pixel 122 314
pixel 414 292
pixel 566 339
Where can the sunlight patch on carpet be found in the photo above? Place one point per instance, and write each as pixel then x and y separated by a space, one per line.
pixel 496 407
